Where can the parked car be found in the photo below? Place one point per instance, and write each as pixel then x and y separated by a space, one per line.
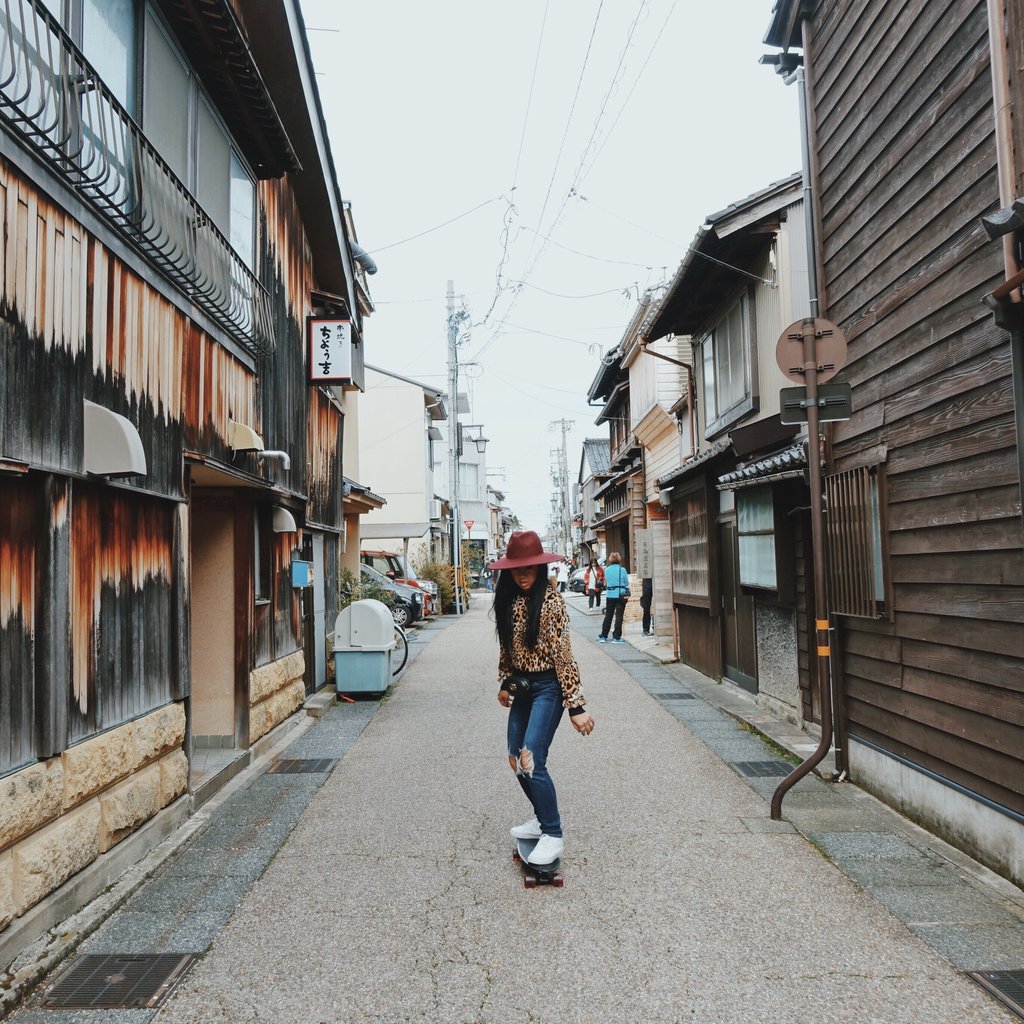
pixel 576 580
pixel 408 606
pixel 389 563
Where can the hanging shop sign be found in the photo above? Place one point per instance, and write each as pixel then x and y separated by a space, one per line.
pixel 329 350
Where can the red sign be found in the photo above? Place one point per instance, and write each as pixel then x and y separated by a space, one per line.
pixel 469 523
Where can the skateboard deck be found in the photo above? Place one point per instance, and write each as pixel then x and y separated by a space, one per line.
pixel 536 874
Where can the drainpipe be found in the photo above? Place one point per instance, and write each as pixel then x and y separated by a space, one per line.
pixel 823 675
pixel 821 624
pixel 644 342
pixel 1006 299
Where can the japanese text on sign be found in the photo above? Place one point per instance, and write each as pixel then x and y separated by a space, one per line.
pixel 330 351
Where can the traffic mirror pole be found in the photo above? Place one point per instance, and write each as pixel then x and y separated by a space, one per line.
pixel 810 336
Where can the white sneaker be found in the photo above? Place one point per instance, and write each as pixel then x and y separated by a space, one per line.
pixel 547 851
pixel 528 830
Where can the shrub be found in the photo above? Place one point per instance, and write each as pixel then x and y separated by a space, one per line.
pixel 441 574
pixel 355 588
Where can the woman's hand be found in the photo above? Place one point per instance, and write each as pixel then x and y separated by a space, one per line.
pixel 505 698
pixel 583 724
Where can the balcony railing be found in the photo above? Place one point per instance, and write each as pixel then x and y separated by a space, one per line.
pixel 52 99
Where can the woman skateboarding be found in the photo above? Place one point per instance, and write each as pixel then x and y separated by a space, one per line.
pixel 539 678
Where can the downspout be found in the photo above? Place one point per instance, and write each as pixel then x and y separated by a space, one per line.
pixel 644 342
pixel 832 705
pixel 1006 299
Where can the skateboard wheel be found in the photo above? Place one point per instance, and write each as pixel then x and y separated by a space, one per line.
pixel 516 857
pixel 558 881
pixel 530 882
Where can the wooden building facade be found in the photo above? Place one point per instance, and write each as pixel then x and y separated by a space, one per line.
pixel 738 589
pixel 908 153
pixel 163 457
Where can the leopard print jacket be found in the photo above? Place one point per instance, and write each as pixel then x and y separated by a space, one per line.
pixel 553 650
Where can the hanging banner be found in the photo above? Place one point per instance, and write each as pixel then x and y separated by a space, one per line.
pixel 329 350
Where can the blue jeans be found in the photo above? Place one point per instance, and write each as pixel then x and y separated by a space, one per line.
pixel 532 721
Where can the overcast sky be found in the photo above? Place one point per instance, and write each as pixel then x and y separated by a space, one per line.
pixel 591 136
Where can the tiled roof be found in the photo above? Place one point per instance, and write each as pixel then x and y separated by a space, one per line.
pixel 794 458
pixel 598 454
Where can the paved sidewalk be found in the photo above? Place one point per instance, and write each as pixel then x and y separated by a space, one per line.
pixel 395 898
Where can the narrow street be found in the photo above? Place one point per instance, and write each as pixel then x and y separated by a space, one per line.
pixel 393 896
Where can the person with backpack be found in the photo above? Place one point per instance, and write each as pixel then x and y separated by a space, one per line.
pixel 616 589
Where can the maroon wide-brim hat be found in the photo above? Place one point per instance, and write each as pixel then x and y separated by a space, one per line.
pixel 524 548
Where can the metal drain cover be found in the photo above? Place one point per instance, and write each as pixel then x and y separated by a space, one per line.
pixel 310 766
pixel 1006 986
pixel 117 982
pixel 674 696
pixel 762 769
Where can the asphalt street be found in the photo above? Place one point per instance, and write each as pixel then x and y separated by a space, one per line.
pixel 385 891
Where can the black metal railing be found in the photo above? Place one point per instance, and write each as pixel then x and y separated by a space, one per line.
pixel 56 103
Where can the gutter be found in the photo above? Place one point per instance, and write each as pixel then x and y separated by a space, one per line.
pixel 690 396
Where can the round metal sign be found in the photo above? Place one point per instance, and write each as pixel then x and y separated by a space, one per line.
pixel 829 350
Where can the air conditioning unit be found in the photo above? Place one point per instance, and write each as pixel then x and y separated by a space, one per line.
pixel 435 509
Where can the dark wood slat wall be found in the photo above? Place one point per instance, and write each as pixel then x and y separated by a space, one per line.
pixel 124 620
pixel 19 518
pixel 903 101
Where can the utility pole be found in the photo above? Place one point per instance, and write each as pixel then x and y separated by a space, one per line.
pixel 453 442
pixel 565 527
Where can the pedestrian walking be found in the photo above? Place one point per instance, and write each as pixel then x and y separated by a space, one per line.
pixel 593 584
pixel 616 583
pixel 646 600
pixel 563 576
pixel 539 679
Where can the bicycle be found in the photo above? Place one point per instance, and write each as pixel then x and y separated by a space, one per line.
pixel 400 655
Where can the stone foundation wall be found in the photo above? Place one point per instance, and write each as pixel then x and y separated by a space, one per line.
pixel 275 692
pixel 59 815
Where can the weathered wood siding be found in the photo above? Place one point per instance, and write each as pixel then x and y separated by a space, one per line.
pixel 78 323
pixel 124 612
pixel 903 104
pixel 19 521
pixel 324 444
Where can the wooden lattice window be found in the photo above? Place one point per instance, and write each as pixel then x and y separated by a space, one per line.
pixel 691 548
pixel 856 572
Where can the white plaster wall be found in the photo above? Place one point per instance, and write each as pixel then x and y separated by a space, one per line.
pixel 393 448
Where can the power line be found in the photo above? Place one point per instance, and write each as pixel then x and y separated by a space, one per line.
pixel 562 206
pixel 529 100
pixel 572 110
pixel 587 255
pixel 437 227
pixel 636 82
pixel 560 295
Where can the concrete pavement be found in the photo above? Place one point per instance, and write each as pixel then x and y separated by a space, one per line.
pixel 392 895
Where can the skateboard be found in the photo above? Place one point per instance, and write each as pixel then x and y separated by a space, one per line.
pixel 536 874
